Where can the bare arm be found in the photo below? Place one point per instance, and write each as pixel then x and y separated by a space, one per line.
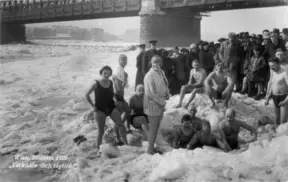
pixel 223 136
pixel 249 128
pixel 191 79
pixel 194 141
pixel 269 94
pixel 209 79
pixel 87 95
pixel 230 82
pixel 286 79
pixel 221 52
pixel 176 139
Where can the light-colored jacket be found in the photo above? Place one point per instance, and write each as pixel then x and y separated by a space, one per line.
pixel 156 90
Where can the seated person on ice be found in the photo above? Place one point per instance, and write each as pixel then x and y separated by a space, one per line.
pixel 205 138
pixel 219 85
pixel 185 133
pixel 138 119
pixel 120 78
pixel 229 130
pixel 278 90
pixel 195 85
pixel 255 75
pixel 104 104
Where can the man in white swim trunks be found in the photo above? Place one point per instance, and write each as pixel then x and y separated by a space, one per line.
pixel 278 90
pixel 195 85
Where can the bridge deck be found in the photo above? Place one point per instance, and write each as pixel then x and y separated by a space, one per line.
pixel 65 10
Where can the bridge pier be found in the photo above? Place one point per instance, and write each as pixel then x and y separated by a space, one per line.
pixel 169 29
pixel 12 33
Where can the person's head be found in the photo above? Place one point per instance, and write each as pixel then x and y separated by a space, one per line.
pixel 274 38
pixel 232 36
pixel 122 60
pixel 176 50
pixel 156 62
pixel 219 67
pixel 142 47
pixel 285 34
pixel 286 45
pixel 140 90
pixel 206 127
pixel 196 64
pixel 274 63
pixel 192 111
pixel 259 39
pixel 253 37
pixel 256 50
pixel 265 32
pixel 277 32
pixel 217 46
pixel 245 38
pixel 230 114
pixel 105 72
pixel 200 45
pixel 205 46
pixel 280 54
pixel 193 48
pixel 153 44
pixel 187 120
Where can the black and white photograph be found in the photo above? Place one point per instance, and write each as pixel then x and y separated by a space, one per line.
pixel 143 90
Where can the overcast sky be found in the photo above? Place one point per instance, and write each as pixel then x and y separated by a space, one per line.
pixel 219 24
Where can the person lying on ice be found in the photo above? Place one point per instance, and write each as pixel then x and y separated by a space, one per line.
pixel 229 130
pixel 185 133
pixel 219 85
pixel 205 138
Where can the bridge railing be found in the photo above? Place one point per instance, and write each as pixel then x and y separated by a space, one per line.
pixel 49 9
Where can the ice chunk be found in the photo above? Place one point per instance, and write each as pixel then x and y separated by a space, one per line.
pixel 110 151
pixel 79 106
pixel 169 168
pixel 206 175
pixel 283 128
pixel 134 139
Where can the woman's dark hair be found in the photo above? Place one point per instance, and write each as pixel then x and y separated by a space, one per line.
pixel 256 48
pixel 206 123
pixel 274 60
pixel 186 117
pixel 105 68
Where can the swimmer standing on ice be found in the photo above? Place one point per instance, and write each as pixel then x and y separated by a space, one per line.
pixel 195 85
pixel 230 129
pixel 278 90
pixel 104 104
pixel 219 85
pixel 120 81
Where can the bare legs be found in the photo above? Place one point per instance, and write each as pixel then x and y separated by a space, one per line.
pixel 100 119
pixel 116 117
pixel 183 91
pixel 122 108
pixel 193 94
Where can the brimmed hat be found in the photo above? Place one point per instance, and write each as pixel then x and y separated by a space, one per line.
pixel 276 30
pixel 153 42
pixel 221 40
pixel 205 43
pixel 142 46
pixel 259 36
pixel 245 35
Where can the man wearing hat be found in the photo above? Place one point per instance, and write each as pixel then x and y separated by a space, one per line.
pixel 139 75
pixel 285 34
pixel 206 58
pixel 229 52
pixel 272 46
pixel 146 61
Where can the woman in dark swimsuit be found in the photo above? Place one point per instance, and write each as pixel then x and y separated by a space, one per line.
pixel 104 104
pixel 184 134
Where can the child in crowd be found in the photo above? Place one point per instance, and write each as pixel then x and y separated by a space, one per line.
pixel 185 133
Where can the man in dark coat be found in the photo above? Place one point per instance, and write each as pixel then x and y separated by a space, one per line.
pixel 139 75
pixel 146 61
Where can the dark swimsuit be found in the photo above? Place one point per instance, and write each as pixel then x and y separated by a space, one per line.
pixel 218 95
pixel 104 98
pixel 134 116
pixel 278 98
pixel 183 139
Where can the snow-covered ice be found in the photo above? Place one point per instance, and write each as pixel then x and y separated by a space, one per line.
pixel 43 108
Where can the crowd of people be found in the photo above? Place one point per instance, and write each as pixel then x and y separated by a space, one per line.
pixel 250 64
